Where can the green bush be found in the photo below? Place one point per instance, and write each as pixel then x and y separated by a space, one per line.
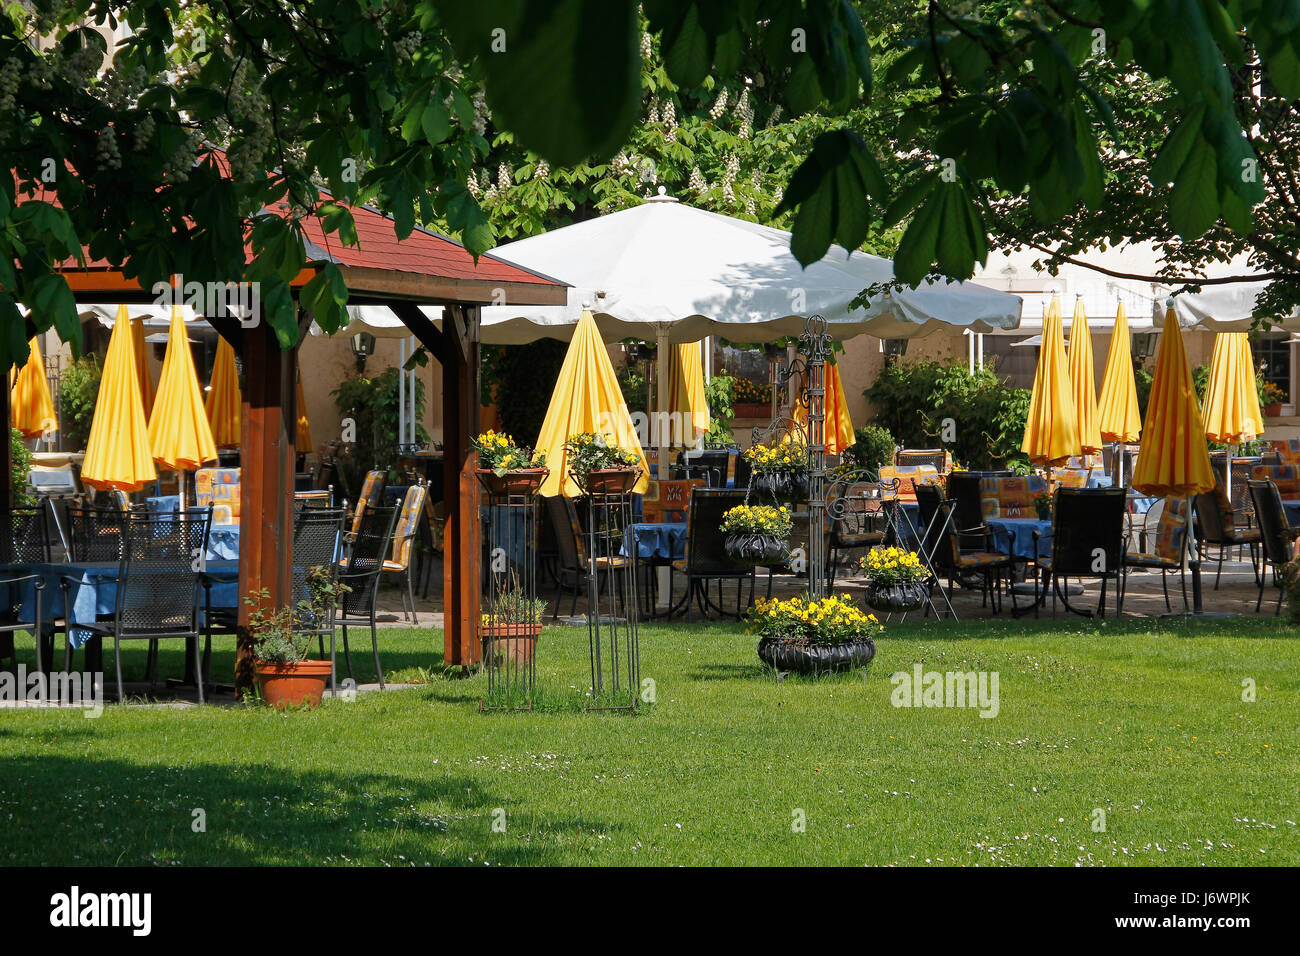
pixel 373 403
pixel 519 380
pixel 718 391
pixel 78 388
pixel 20 459
pixel 873 447
pixel 914 399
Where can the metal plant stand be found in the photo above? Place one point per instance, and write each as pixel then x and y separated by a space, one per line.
pixel 512 620
pixel 611 604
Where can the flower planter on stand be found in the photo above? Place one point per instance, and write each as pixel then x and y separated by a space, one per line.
pixel 525 481
pixel 805 657
pixel 611 481
pixel 513 643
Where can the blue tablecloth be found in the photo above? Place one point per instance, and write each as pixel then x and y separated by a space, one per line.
pixel 666 540
pixel 94 590
pixel 1292 508
pixel 1015 536
pixel 223 539
pixel 1099 481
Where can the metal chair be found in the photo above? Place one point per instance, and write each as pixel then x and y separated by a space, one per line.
pixel 968 514
pixel 96 534
pixel 360 571
pixel 706 559
pixel 1170 554
pixel 372 492
pixel 860 521
pixel 1087 542
pixel 941 542
pixel 1276 535
pixel 157 585
pixel 938 457
pixel 1216 526
pixel 399 562
pixel 12 619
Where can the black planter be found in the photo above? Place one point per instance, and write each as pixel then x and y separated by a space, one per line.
pixel 805 658
pixel 764 549
pixel 781 486
pixel 897 598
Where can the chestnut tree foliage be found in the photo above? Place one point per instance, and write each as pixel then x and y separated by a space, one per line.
pixel 933 124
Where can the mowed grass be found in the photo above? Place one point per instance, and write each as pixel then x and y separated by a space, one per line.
pixel 1144 720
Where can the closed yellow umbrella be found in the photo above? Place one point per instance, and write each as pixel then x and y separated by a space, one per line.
pixel 686 390
pixel 1117 409
pixel 224 400
pixel 1232 411
pixel 179 432
pixel 1083 382
pixel 839 426
pixel 302 444
pixel 586 399
pixel 117 452
pixel 1174 458
pixel 1052 429
pixel 142 366
pixel 31 408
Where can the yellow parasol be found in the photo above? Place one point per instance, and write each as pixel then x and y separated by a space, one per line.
pixel 1052 430
pixel 686 390
pixel 1117 409
pixel 586 399
pixel 1083 382
pixel 179 432
pixel 302 443
pixel 839 426
pixel 117 453
pixel 31 407
pixel 1174 459
pixel 142 366
pixel 1232 411
pixel 223 401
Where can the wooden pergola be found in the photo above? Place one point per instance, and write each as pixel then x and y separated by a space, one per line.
pixel 423 270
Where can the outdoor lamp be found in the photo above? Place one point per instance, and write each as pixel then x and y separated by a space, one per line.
pixel 363 345
pixel 893 348
pixel 1144 345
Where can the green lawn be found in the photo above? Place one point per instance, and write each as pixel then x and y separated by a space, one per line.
pixel 1143 720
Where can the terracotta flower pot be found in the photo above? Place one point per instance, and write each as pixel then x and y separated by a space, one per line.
pixel 292 685
pixel 1274 410
pixel 611 481
pixel 516 641
pixel 752 409
pixel 524 481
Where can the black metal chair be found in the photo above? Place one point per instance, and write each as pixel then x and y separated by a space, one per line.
pixel 859 521
pixel 96 534
pixel 706 559
pixel 1170 554
pixel 941 540
pixel 12 620
pixel 360 571
pixel 1087 542
pixel 963 487
pixel 27 532
pixel 157 585
pixel 1216 527
pixel 1276 535
pixel 711 465
pixel 922 456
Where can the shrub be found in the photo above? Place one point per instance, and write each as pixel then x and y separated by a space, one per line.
pixel 373 403
pixel 718 392
pixel 913 399
pixel 20 461
pixel 873 446
pixel 78 388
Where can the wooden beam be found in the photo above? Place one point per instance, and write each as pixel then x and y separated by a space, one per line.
pixel 417 287
pixel 461 548
pixel 420 325
pixel 266 483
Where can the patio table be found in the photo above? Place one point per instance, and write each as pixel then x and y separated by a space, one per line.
pixel 1015 536
pixel 92 590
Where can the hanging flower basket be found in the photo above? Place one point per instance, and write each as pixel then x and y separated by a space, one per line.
pixel 511 641
pixel 524 481
pixel 611 481
pixel 764 549
pixel 897 598
pixel 781 485
pixel 806 657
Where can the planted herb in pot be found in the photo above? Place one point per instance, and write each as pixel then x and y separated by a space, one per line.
pixel 897 580
pixel 283 638
pixel 512 625
pixel 506 469
pixel 758 534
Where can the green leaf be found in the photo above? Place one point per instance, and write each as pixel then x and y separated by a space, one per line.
pixel 1178 146
pixel 1194 203
pixel 688 49
pixel 916 251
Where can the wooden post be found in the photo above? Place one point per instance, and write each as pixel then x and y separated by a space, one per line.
pixel 462 542
pixel 6 471
pixel 266 481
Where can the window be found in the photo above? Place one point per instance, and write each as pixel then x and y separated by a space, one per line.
pixel 1272 354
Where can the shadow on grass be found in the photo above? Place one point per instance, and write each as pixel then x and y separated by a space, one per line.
pixel 64 811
